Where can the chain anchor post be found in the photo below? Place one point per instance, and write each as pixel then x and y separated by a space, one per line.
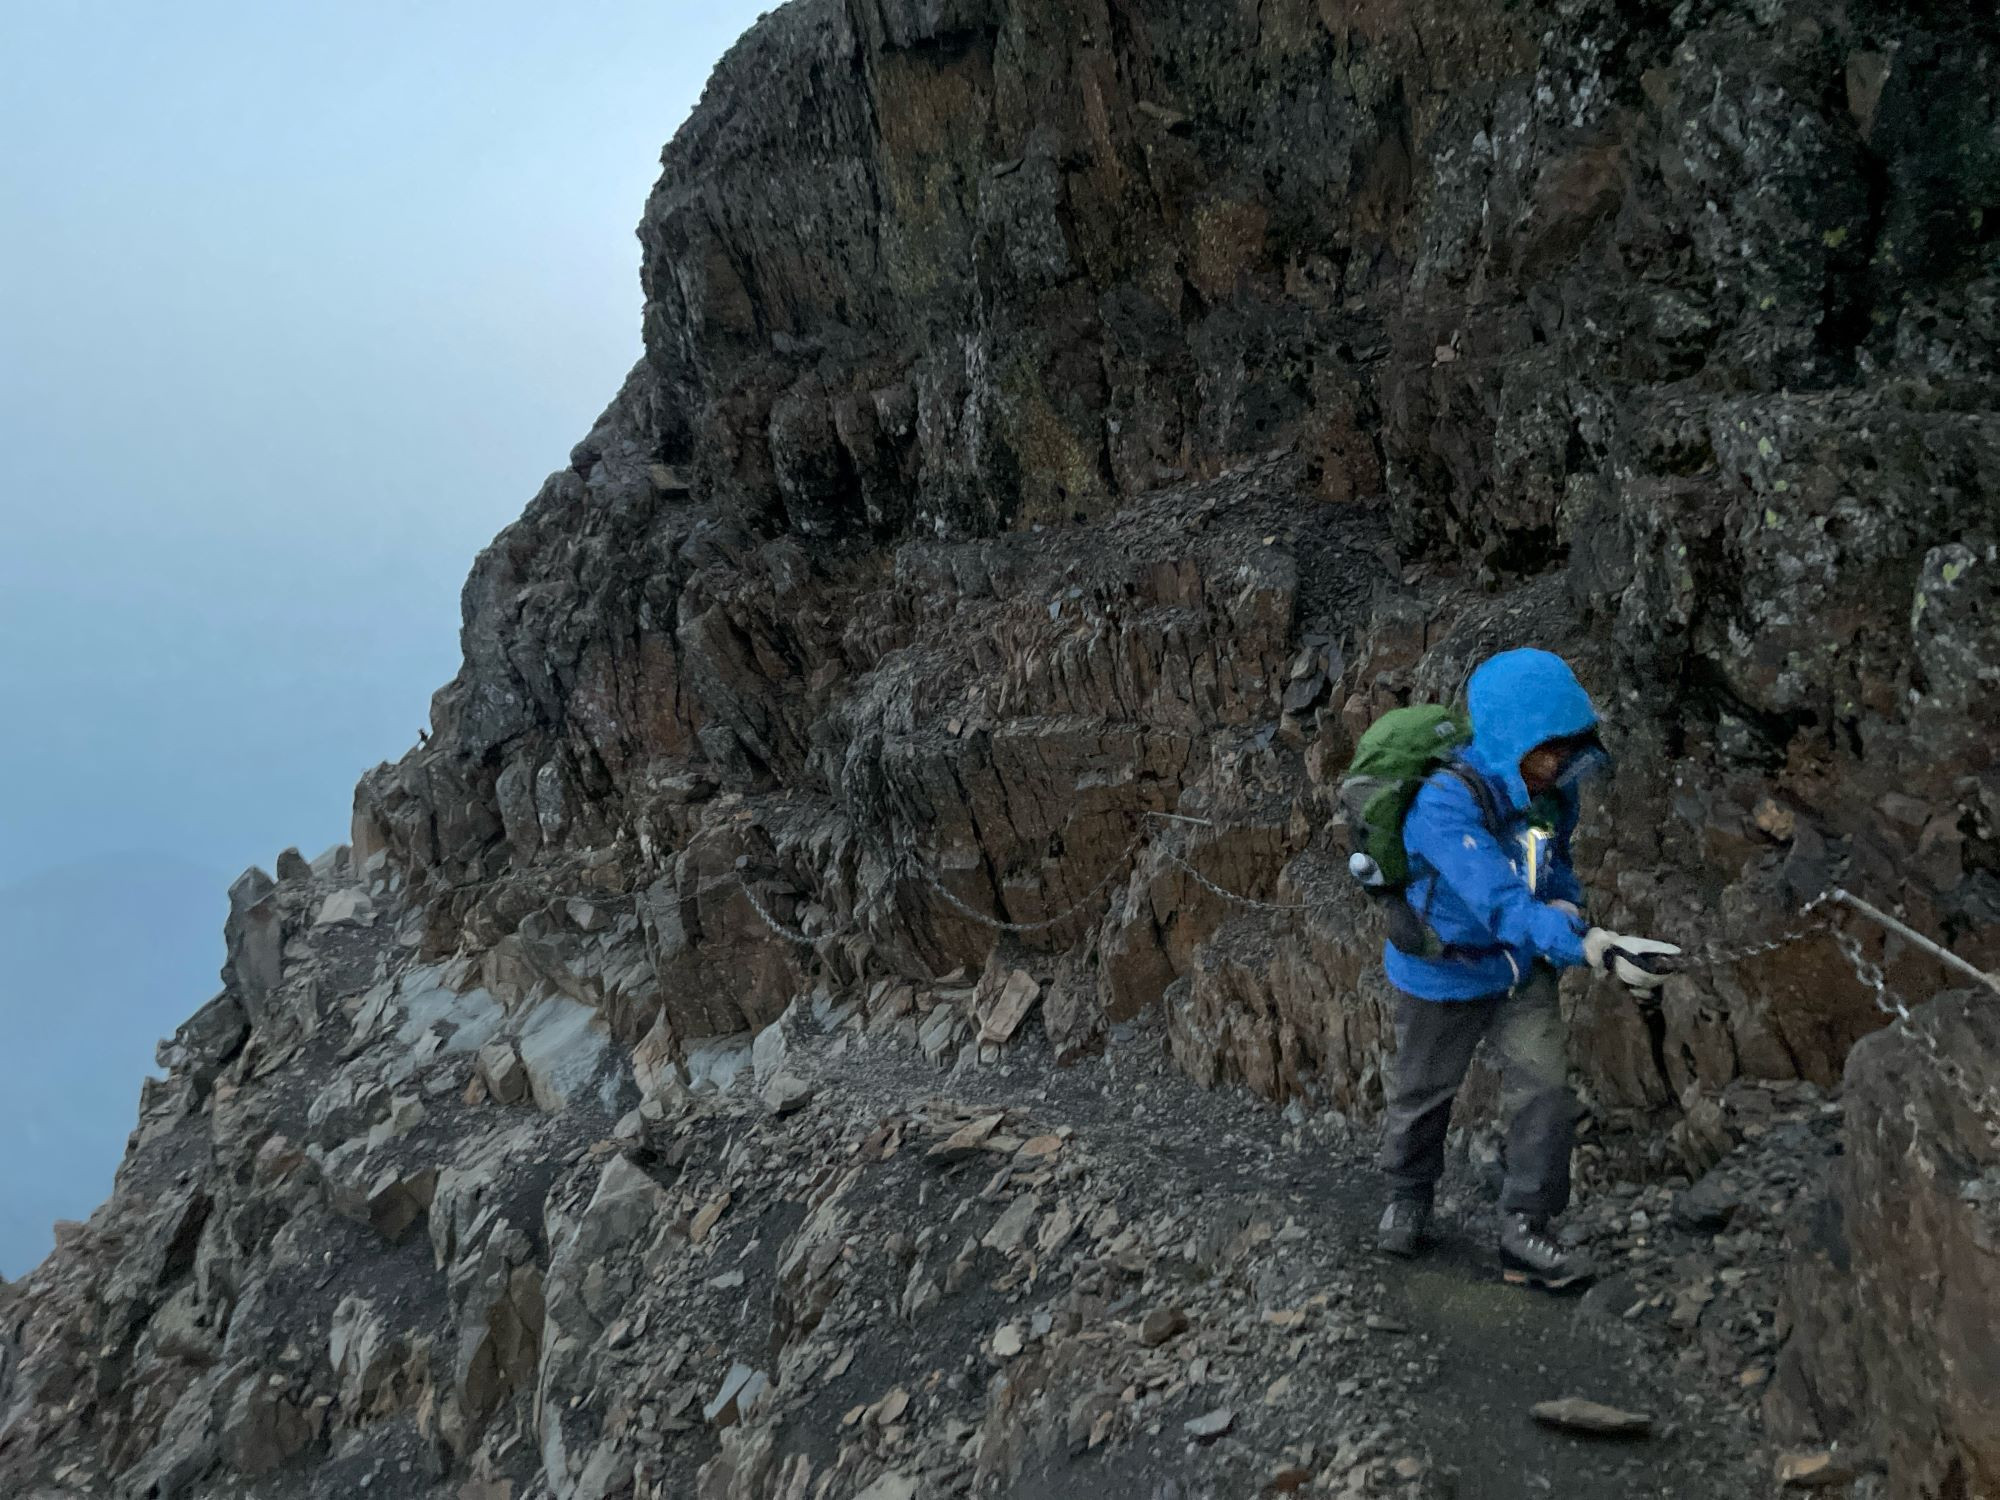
pixel 1909 934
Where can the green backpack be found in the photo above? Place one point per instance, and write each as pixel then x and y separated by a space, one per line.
pixel 1400 751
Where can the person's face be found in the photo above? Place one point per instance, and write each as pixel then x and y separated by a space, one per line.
pixel 1540 767
pixel 1566 761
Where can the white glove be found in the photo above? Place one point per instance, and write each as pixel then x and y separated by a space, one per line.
pixel 1636 961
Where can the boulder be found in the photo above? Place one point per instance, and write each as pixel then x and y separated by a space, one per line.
pixel 500 1068
pixel 623 1208
pixel 565 1051
pixel 389 1198
pixel 787 1094
pixel 1895 1348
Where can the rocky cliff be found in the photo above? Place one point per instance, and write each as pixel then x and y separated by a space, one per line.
pixel 1061 428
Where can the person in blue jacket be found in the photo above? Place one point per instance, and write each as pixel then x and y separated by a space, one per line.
pixel 1502 911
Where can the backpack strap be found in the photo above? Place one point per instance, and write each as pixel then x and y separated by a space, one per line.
pixel 1422 942
pixel 1482 795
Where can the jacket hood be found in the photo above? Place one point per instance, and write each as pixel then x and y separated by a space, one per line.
pixel 1518 700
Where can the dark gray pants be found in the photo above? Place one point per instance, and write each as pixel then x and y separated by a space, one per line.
pixel 1435 1040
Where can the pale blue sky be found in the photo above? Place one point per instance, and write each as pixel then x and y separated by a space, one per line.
pixel 298 304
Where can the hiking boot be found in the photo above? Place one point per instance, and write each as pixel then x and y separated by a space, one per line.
pixel 1529 1256
pixel 1404 1224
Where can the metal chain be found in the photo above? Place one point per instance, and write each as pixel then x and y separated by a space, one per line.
pixel 1250 901
pixel 1868 972
pixel 1116 871
pixel 1871 977
pixel 792 934
pixel 1718 957
pixel 1985 1105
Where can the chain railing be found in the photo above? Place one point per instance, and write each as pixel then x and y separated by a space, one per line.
pixel 1284 907
pixel 790 934
pixel 1817 918
pixel 1118 870
pixel 1984 1103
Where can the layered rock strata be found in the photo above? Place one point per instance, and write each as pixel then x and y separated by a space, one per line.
pixel 1061 428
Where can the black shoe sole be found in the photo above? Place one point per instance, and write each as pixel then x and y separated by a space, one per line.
pixel 1541 1280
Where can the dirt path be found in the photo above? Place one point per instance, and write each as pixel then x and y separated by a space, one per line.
pixel 1369 1375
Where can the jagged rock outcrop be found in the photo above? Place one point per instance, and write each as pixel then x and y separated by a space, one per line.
pixel 1895 1352
pixel 1061 429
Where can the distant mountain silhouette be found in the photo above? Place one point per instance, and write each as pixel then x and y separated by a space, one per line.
pixel 98 960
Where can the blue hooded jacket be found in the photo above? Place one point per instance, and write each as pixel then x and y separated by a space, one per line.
pixel 1472 888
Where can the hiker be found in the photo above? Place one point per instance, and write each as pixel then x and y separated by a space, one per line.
pixel 1490 910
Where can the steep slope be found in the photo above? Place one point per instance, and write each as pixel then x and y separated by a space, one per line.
pixel 1061 429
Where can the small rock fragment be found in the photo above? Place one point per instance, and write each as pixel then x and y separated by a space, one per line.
pixel 1209 1426
pixel 1577 1414
pixel 1812 1469
pixel 1004 1014
pixel 499 1068
pixel 1011 1228
pixel 348 907
pixel 739 1389
pixel 1056 1229
pixel 787 1094
pixel 967 1138
pixel 1779 821
pixel 1162 1324
pixel 1710 1204
pixel 705 1221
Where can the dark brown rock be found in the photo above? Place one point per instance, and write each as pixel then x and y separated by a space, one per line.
pixel 1894 1349
pixel 1161 1325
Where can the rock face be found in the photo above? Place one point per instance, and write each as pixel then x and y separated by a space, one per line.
pixel 935 544
pixel 1061 429
pixel 1895 1350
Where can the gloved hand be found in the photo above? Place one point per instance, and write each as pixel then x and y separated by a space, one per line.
pixel 1640 963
